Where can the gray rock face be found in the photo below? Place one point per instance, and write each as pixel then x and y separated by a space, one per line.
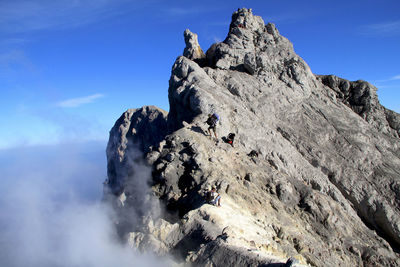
pixel 136 129
pixel 361 97
pixel 192 50
pixel 325 187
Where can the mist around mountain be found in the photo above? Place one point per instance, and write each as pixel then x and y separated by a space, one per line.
pixel 52 213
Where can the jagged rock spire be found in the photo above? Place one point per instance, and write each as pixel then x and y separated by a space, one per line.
pixel 244 18
pixel 192 50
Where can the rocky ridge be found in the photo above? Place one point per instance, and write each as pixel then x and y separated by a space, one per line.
pixel 325 188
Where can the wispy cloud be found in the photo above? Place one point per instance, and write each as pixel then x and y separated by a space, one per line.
pixel 282 18
pixel 13 41
pixel 181 11
pixel 79 101
pixel 25 16
pixel 13 57
pixel 289 17
pixel 382 29
pixel 397 77
pixel 391 79
pixel 192 10
pixel 15 62
pixel 388 84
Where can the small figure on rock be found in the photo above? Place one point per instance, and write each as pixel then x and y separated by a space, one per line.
pixel 229 139
pixel 213 198
pixel 253 154
pixel 212 122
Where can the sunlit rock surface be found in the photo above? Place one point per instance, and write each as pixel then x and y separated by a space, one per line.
pixel 325 188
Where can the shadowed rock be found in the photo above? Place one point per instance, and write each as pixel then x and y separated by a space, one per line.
pixel 361 97
pixel 136 129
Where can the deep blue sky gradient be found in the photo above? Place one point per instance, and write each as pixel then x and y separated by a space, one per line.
pixel 107 56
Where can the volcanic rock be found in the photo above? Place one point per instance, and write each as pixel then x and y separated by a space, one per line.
pixel 324 189
pixel 192 50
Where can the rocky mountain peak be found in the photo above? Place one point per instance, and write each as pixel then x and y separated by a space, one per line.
pixel 243 18
pixel 322 185
pixel 251 47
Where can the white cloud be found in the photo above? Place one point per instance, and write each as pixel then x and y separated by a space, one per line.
pixel 388 80
pixel 50 210
pixel 397 77
pixel 382 29
pixel 76 102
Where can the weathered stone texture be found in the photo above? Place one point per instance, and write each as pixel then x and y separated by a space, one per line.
pixel 325 187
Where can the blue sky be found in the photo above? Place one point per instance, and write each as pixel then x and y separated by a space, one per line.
pixel 69 68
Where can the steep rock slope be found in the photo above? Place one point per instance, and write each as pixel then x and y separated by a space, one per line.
pixel 132 130
pixel 325 187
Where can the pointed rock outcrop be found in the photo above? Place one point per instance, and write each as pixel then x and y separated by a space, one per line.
pixel 136 129
pixel 192 50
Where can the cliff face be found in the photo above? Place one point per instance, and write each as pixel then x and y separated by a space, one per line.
pixel 325 187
